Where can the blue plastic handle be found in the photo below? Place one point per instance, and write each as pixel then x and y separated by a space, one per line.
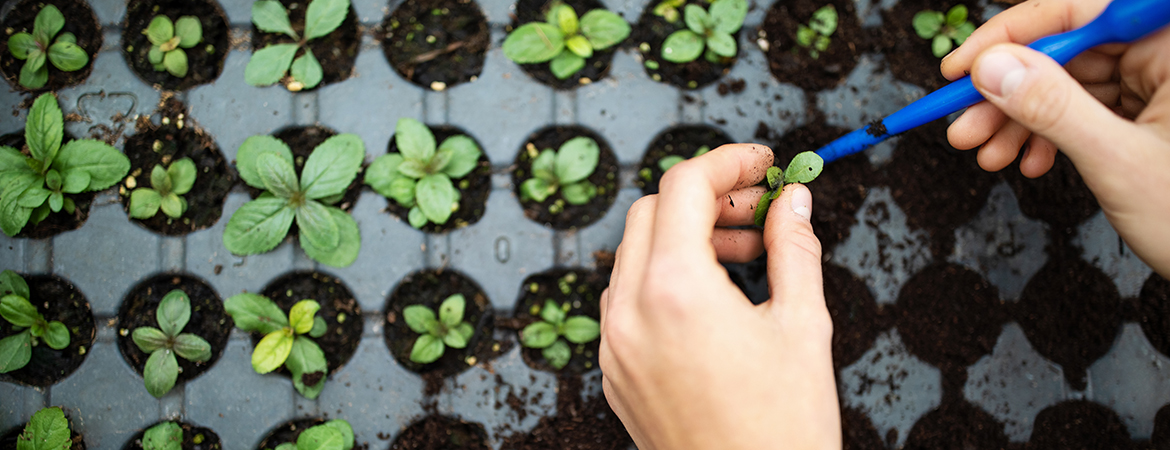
pixel 1122 21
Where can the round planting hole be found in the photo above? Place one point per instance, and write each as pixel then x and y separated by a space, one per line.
pixel 194 438
pixel 684 141
pixel 335 51
pixel 1154 312
pixel 1079 424
pixel 436 44
pixel 555 211
pixel 441 433
pixel 59 222
pixel 343 316
pixel 651 32
pixel 204 60
pixel 56 300
pixel 473 187
pixel 79 20
pixel 596 66
pixel 791 63
pixel 576 292
pixel 856 317
pixel 956 424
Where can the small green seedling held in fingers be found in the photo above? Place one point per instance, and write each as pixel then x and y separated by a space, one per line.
pixel 436 334
pixel 419 175
pixel 287 340
pixel 564 40
pixel 815 36
pixel 169 39
pixel 167 341
pixel 335 434
pixel 546 333
pixel 33 186
pixel 39 48
pixel 711 29
pixel 944 31
pixel 31 326
pixel 48 429
pixel 167 187
pixel 269 64
pixel 566 170
pixel 164 436
pixel 804 168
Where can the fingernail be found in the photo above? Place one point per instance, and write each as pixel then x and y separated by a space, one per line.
pixel 802 203
pixel 1001 73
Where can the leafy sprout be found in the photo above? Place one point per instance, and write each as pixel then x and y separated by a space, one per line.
pixel 815 36
pixel 564 40
pixel 15 307
pixel 546 333
pixel 711 29
pixel 332 435
pixel 668 10
pixel 803 168
pixel 419 176
pixel 34 49
pixel 164 436
pixel 168 340
pixel 269 64
pixel 327 234
pixel 47 429
pixel 168 39
pixel 566 169
pixel 436 334
pixel 286 340
pixel 167 188
pixel 32 186
pixel 943 29
pixel 669 161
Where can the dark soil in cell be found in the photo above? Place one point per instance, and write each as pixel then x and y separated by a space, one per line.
pixel 436 41
pixel 208 319
pixel 79 20
pixel 203 66
pixel 178 137
pixel 682 141
pixel 650 33
pixel 908 56
pixel 584 295
pixel 570 216
pixel 341 312
pixel 1160 439
pixel 441 433
pixel 335 51
pixel 957 424
pixel 208 440
pixel 791 63
pixel 59 222
pixel 857 431
pixel 56 299
pixel 289 431
pixel 9 439
pixel 751 277
pixel 1078 425
pixel 857 318
pixel 473 188
pixel 596 66
pixel 1075 333
pixel 1153 311
pixel 580 424
pixel 1058 197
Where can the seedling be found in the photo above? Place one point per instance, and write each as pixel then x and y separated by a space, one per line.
pixel 419 176
pixel 35 48
pixel 168 340
pixel 16 350
pixel 286 340
pixel 711 29
pixel 32 186
pixel 327 233
pixel 168 40
pixel 546 333
pixel 167 188
pixel 565 169
pixel 669 161
pixel 47 429
pixel 668 10
pixel 815 36
pixel 435 335
pixel 942 30
pixel 332 435
pixel 564 40
pixel 164 436
pixel 269 64
pixel 804 168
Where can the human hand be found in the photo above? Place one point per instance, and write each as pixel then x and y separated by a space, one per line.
pixel 1109 113
pixel 687 361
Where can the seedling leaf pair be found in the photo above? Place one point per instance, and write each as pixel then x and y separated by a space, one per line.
pixel 803 168
pixel 167 341
pixel 815 36
pixel 545 334
pixel 564 40
pixel 48 429
pixel 286 340
pixel 269 64
pixel 332 435
pixel 34 49
pixel 710 29
pixel 944 31
pixel 565 169
pixel 168 185
pixel 438 333
pixel 168 39
pixel 16 350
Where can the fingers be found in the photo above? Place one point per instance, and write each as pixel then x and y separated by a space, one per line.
pixel 737 246
pixel 1038 158
pixel 738 208
pixel 1001 149
pixel 794 253
pixel 975 126
pixel 632 254
pixel 1093 67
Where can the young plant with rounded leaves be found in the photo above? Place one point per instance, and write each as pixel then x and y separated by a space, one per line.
pixel 564 40
pixel 164 436
pixel 167 186
pixel 269 64
pixel 803 168
pixel 335 434
pixel 815 36
pixel 48 429
pixel 419 175
pixel 168 39
pixel 168 340
pixel 34 184
pixel 436 334
pixel 286 340
pixel 35 48
pixel 15 307
pixel 711 29
pixel 546 333
pixel 944 31
pixel 327 234
pixel 668 10
pixel 566 170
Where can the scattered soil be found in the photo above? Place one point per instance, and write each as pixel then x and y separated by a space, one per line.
pixel 604 177
pixel 957 424
pixel 436 41
pixel 208 320
pixel 208 440
pixel 791 63
pixel 1058 197
pixel 1077 425
pixel 1153 305
pixel 584 300
pixel 202 66
pixel 857 318
pixel 335 51
pixel 441 433
pixel 684 141
pixel 289 431
pixel 341 312
pixel 580 424
pixel 472 198
pixel 650 33
pixel 596 66
pixel 9 439
pixel 79 20
pixel 908 56
pixel 56 299
pixel 857 431
pixel 55 223
pixel 213 177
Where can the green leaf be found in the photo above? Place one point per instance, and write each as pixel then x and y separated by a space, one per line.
pixel 173 312
pixel 160 30
pixel 956 16
pixel 251 150
pixel 821 44
pixel 557 354
pixel 402 191
pixel 804 168
pixel 824 20
pixel 301 315
pixel 604 29
pixel 67 37
pixel 451 310
pixel 317 225
pixel 192 347
pixel 382 172
pixel 669 161
pixel 464 155
pixel 155 56
pixel 324 16
pixel 35 195
pixel 774 177
pixel 255 313
pixel 927 23
pixel 414 140
pixel 538 335
pixel 762 208
pixel 270 16
pixel 579 46
pixel 536 189
pixel 144 203
pixel 419 318
pixel 416 217
pixel 47 430
pixel 436 196
pixel 464 329
pixel 12 283
pixel 39 329
pixel 53 180
pixel 279 177
pixel 269 64
pixel 57 336
pixel 176 63
pixel 12 162
pixel 272 351
pixel 287 446
pixel 346 432
pixel 319 327
pixel 21 44
pixel 160 372
pixel 182 174
pixel 576 159
pixel 332 166
pixel 37 58
pixel 49 21
pixel 306 358
pixel 563 17
pixel 18 311
pixel 534 42
pixel 581 329
pixel 319 437
pixel 149 339
pixel 427 349
pixel 682 46
pixel 412 169
pixel 348 245
pixel 105 164
pixel 579 193
pixel 44 128
pixel 164 436
pixel 189 30
pixel 728 15
pixel 544 165
pixel 307 70
pixel 258 226
pixel 34 74
pixel 15 351
pixel 696 18
pixel 67 56
pixel 940 46
pixel 721 43
pixel 963 32
pixel 75 182
pixel 565 65
pixel 455 339
pixel 13 217
pixel 552 313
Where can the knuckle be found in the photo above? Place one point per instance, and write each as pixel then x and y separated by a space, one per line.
pixel 797 240
pixel 641 207
pixel 682 173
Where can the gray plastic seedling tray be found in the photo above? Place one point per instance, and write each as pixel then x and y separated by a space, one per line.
pixel 109 254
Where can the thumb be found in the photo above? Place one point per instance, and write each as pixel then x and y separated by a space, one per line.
pixel 794 252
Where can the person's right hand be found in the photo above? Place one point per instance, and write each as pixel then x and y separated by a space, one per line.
pixel 1109 112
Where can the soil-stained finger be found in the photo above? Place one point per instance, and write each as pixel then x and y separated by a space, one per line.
pixel 738 245
pixel 738 208
pixel 1002 148
pixel 975 126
